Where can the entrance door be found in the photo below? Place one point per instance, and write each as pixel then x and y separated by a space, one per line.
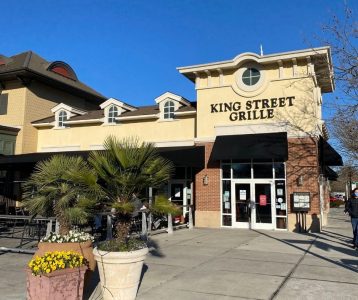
pixel 178 193
pixel 242 205
pixel 252 204
pixel 263 214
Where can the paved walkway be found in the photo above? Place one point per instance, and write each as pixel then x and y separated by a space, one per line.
pixel 235 264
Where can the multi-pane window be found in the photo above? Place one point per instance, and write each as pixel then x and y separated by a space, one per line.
pixel 169 110
pixel 112 114
pixel 62 117
pixel 251 76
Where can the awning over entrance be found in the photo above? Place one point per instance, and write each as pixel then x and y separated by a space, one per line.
pixel 251 146
pixel 180 156
pixel 185 156
pixel 329 156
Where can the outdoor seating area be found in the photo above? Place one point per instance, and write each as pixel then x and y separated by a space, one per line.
pixel 24 229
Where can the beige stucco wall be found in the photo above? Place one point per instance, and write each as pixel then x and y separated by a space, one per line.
pixel 40 99
pixel 30 103
pixel 303 115
pixel 88 137
pixel 15 110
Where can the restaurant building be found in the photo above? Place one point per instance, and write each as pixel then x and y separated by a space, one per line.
pixel 250 152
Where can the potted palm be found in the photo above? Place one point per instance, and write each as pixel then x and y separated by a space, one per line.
pixel 125 169
pixel 62 187
pixel 56 275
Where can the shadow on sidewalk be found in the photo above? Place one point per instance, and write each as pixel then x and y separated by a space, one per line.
pixel 344 263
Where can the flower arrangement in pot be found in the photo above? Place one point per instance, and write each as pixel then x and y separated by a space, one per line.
pixel 62 187
pixel 56 275
pixel 125 169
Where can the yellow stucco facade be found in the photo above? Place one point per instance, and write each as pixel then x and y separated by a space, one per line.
pixel 287 96
pixel 250 94
pixel 26 104
pixel 91 137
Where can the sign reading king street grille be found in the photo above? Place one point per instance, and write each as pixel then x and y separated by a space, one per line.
pixel 253 109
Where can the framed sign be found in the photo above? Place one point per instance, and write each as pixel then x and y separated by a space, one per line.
pixel 301 201
pixel 263 200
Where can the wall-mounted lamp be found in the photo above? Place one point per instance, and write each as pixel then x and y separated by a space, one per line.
pixel 300 180
pixel 205 180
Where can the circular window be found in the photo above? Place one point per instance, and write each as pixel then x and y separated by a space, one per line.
pixel 251 76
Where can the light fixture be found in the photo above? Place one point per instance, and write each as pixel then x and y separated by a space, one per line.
pixel 300 180
pixel 205 180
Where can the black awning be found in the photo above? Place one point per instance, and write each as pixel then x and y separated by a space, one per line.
pixel 251 146
pixel 193 156
pixel 329 156
pixel 33 158
pixel 180 156
pixel 330 174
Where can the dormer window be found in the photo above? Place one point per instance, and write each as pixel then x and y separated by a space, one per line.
pixel 112 109
pixel 112 114
pixel 169 108
pixel 62 117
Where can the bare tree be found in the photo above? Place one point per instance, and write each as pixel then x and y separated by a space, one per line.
pixel 341 35
pixel 345 129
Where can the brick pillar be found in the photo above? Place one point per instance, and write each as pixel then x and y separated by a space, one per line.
pixel 303 161
pixel 207 197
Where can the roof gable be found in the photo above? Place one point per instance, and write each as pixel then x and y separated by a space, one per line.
pixel 66 107
pixel 172 96
pixel 113 101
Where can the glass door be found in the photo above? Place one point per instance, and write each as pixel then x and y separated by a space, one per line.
pixel 264 208
pixel 241 204
pixel 178 191
pixel 252 204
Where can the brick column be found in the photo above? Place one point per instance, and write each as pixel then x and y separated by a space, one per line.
pixel 207 197
pixel 303 161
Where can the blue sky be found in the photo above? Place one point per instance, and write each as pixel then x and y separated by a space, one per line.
pixel 130 49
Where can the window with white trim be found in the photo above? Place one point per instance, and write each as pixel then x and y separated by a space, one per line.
pixel 251 76
pixel 169 110
pixel 62 117
pixel 112 114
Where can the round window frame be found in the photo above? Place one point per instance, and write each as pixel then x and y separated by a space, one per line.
pixel 250 88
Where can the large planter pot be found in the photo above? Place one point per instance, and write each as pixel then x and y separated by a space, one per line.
pixel 85 249
pixel 120 273
pixel 58 285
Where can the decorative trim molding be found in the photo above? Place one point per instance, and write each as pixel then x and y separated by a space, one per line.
pixel 183 143
pixel 141 117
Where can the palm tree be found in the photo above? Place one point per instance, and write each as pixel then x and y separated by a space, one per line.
pixel 125 169
pixel 64 187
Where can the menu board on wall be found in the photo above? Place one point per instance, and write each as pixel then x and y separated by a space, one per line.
pixel 301 201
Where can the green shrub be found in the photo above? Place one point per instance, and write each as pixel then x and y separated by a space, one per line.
pixel 336 203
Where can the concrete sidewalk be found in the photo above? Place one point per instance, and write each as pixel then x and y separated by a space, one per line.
pixel 234 264
pixel 242 264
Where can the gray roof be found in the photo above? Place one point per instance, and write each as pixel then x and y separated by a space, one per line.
pixel 154 109
pixel 44 120
pixel 9 128
pixel 97 114
pixel 29 65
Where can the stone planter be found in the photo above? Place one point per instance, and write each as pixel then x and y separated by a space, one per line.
pixel 120 273
pixel 85 249
pixel 58 285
